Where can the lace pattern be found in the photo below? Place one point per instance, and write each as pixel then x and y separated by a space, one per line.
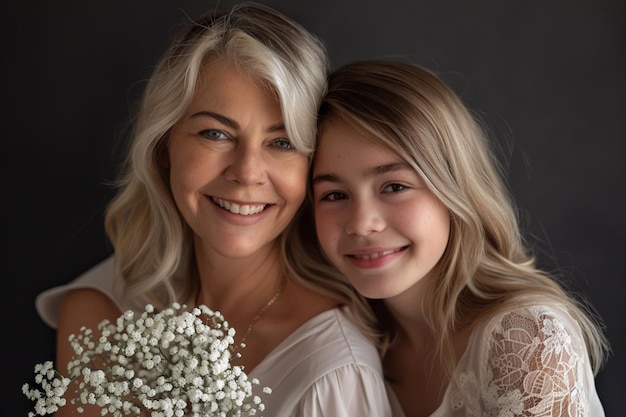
pixel 531 365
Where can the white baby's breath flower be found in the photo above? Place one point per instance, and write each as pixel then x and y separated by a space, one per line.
pixel 172 363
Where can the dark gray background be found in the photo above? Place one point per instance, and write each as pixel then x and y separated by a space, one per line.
pixel 547 77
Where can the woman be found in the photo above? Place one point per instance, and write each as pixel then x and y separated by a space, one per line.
pixel 410 207
pixel 215 176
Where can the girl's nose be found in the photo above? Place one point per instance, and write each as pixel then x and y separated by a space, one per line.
pixel 363 219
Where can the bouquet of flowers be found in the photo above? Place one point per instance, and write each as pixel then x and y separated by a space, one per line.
pixel 173 363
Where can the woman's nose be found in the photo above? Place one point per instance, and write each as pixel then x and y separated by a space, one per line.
pixel 247 166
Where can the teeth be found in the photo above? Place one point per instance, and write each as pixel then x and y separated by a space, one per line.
pixel 375 254
pixel 242 209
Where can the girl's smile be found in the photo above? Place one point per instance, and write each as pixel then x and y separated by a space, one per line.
pixel 374 257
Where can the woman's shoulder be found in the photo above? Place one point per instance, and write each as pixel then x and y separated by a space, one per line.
pixel 323 344
pixel 311 369
pixel 327 341
pixel 99 279
pixel 348 336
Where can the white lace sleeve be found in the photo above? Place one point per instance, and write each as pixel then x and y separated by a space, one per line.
pixel 534 364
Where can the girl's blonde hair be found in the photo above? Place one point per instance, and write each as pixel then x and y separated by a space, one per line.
pixel 487 267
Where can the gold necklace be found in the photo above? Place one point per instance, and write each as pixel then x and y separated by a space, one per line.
pixel 256 318
pixel 242 343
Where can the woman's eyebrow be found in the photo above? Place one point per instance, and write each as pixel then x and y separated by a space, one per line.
pixel 219 117
pixel 232 123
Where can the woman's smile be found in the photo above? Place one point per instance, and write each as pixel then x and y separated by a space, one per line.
pixel 239 208
pixel 234 173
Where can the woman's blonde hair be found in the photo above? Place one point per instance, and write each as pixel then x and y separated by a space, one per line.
pixel 486 267
pixel 152 243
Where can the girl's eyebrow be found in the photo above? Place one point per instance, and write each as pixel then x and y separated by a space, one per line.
pixel 324 178
pixel 382 169
pixel 232 123
pixel 370 172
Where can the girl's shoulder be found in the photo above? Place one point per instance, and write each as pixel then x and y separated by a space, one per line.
pixel 530 359
pixel 534 337
pixel 529 325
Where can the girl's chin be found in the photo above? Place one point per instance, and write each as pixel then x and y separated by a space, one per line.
pixel 374 290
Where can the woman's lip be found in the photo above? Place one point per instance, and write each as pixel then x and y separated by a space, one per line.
pixel 238 208
pixel 375 258
pixel 239 219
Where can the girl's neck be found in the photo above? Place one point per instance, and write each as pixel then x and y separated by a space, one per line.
pixel 411 365
pixel 407 312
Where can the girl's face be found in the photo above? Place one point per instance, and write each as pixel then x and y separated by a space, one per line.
pixel 375 218
pixel 234 174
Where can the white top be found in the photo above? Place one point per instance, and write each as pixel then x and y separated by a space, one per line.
pixel 326 368
pixel 529 362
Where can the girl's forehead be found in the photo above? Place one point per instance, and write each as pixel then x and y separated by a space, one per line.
pixel 341 136
pixel 342 148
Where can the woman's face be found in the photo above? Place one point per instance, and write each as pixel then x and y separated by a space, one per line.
pixel 376 220
pixel 234 174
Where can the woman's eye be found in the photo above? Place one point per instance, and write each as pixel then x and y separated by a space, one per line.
pixel 333 196
pixel 393 188
pixel 214 134
pixel 283 144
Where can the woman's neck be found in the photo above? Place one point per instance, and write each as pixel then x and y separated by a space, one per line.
pixel 227 283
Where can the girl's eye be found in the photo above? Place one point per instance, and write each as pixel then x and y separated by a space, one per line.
pixel 284 144
pixel 393 188
pixel 214 134
pixel 333 196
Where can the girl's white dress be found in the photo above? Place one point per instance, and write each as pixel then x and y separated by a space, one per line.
pixel 326 368
pixel 528 362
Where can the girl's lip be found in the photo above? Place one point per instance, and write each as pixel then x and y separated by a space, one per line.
pixel 375 257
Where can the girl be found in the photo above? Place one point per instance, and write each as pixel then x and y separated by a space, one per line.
pixel 410 207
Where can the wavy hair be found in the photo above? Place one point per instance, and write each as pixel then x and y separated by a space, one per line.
pixel 487 266
pixel 152 243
